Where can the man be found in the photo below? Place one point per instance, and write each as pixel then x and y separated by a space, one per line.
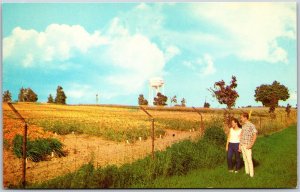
pixel 248 137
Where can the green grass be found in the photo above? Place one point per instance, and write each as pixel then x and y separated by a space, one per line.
pixel 277 168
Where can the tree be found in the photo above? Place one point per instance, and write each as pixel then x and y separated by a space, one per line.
pixel 50 99
pixel 288 109
pixel 160 100
pixel 27 95
pixel 269 95
pixel 183 102
pixel 225 94
pixel 206 105
pixel 142 100
pixel 6 96
pixel 174 100
pixel 21 95
pixel 60 96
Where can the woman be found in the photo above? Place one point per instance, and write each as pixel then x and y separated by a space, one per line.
pixel 232 145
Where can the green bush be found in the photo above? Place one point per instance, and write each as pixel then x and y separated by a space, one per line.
pixel 39 149
pixel 214 133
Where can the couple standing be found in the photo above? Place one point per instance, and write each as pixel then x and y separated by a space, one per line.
pixel 241 139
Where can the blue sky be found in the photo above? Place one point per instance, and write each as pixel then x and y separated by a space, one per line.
pixel 113 49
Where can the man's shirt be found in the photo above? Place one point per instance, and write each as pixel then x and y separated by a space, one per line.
pixel 248 131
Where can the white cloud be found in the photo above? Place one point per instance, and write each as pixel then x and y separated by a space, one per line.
pixel 189 65
pixel 27 62
pixel 77 91
pixel 136 58
pixel 131 57
pixel 116 28
pixel 57 42
pixel 209 68
pixel 203 65
pixel 293 96
pixel 171 52
pixel 253 28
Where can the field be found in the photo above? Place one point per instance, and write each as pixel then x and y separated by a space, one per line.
pixel 109 134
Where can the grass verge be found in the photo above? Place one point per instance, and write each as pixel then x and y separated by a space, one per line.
pixel 276 157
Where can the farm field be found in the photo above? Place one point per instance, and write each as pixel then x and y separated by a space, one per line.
pixel 107 134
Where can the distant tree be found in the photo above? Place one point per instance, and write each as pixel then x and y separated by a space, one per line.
pixel 50 99
pixel 142 100
pixel 21 96
pixel 288 109
pixel 206 105
pixel 60 96
pixel 27 95
pixel 225 94
pixel 174 99
pixel 160 100
pixel 6 96
pixel 269 95
pixel 183 102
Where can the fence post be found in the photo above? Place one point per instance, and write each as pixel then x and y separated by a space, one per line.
pixel 24 146
pixel 152 127
pixel 260 122
pixel 201 125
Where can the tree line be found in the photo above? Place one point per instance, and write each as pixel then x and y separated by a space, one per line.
pixel 268 94
pixel 28 95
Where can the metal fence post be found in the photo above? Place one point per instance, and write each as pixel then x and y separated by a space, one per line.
pixel 153 137
pixel 24 146
pixel 152 127
pixel 201 124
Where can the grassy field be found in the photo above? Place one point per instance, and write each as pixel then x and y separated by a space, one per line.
pixel 276 159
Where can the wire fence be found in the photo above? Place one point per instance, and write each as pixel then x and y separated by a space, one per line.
pixel 105 136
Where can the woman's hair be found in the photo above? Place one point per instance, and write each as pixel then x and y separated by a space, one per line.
pixel 237 122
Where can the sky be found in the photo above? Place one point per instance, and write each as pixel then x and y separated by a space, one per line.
pixel 113 49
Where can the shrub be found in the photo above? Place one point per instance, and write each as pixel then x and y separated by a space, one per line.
pixel 214 133
pixel 39 149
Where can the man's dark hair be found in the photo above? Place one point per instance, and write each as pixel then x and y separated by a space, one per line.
pixel 236 121
pixel 246 115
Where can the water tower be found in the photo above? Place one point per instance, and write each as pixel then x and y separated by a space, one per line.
pixel 155 84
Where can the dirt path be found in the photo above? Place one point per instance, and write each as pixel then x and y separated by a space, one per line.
pixel 83 148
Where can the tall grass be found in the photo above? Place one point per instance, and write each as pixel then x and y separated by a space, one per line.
pixel 267 125
pixel 276 167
